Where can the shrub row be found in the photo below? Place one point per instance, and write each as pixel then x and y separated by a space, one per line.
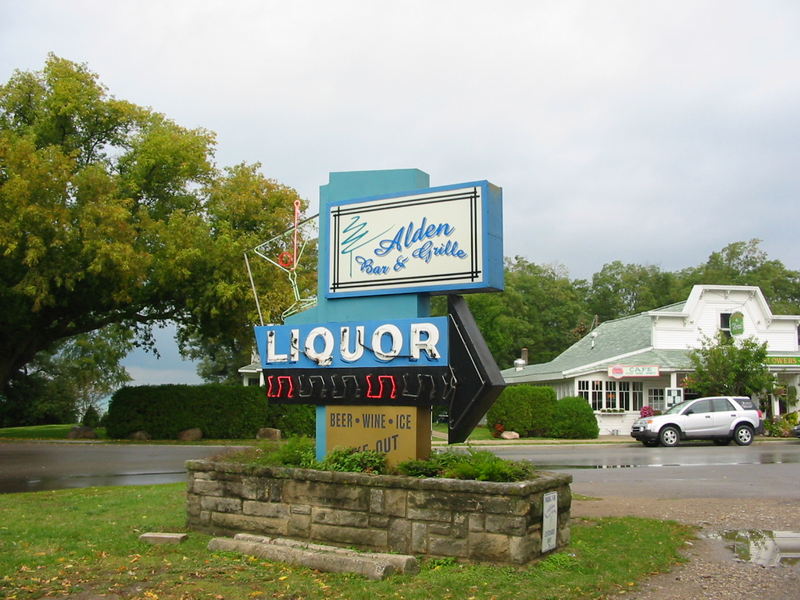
pixel 219 411
pixel 533 411
pixel 472 464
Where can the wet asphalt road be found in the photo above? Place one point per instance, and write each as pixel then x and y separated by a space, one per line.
pixel 692 470
pixel 36 466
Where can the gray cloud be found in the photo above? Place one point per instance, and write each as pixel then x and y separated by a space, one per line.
pixel 652 132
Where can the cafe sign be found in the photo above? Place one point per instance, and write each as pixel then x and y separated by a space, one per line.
pixel 620 371
pixel 445 239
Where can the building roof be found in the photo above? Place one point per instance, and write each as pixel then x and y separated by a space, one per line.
pixel 629 341
pixel 609 342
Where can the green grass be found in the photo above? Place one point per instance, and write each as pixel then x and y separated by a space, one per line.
pixel 479 433
pixel 40 432
pixel 71 541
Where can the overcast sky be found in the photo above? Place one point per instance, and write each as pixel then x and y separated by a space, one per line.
pixel 651 132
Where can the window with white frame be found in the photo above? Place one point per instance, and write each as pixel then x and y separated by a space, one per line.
pixel 637 393
pixel 583 388
pixel 725 324
pixel 655 398
pixel 611 395
pixel 625 395
pixel 597 394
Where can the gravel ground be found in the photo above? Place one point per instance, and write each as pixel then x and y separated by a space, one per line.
pixel 712 572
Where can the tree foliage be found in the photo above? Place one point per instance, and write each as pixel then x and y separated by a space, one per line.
pixel 730 367
pixel 111 213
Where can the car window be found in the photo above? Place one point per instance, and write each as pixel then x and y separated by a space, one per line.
pixel 722 405
pixel 701 406
pixel 746 403
pixel 678 408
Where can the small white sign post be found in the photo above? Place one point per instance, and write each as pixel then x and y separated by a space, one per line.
pixel 549 521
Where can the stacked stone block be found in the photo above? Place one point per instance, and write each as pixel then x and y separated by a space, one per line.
pixel 483 521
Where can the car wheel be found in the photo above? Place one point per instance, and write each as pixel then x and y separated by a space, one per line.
pixel 743 434
pixel 724 442
pixel 669 436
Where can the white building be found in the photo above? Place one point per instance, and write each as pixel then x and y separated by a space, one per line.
pixel 642 360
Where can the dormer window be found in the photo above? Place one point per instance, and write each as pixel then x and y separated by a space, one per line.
pixel 725 324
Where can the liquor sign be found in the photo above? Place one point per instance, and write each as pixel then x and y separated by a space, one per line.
pixel 620 371
pixel 436 240
pixel 402 362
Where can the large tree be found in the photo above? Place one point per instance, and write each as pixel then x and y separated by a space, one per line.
pixel 746 263
pixel 112 213
pixel 540 309
pixel 730 367
pixel 619 290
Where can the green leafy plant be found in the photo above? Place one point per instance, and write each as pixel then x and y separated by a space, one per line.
pixel 220 411
pixel 575 419
pixel 529 410
pixel 91 418
pixel 354 460
pixel 478 465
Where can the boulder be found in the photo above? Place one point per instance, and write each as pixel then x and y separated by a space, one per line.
pixel 268 433
pixel 139 436
pixel 81 432
pixel 190 435
pixel 509 435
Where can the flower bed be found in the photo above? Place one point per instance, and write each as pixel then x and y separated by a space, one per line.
pixel 476 520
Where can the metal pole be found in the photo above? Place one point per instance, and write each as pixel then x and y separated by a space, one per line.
pixel 253 285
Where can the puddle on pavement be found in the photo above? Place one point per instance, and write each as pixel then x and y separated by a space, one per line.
pixel 762 547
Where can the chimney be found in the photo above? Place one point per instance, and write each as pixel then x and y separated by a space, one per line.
pixel 520 363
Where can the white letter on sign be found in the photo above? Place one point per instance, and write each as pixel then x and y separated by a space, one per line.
pixel 428 344
pixel 272 355
pixel 397 342
pixel 326 356
pixel 344 345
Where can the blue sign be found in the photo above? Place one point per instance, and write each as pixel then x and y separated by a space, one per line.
pixel 420 342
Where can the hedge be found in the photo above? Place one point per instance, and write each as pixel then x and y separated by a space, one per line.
pixel 527 409
pixel 219 411
pixel 575 420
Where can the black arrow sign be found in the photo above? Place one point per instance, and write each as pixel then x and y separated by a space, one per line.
pixel 479 379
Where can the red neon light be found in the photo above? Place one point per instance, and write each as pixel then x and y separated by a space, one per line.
pixel 382 380
pixel 279 393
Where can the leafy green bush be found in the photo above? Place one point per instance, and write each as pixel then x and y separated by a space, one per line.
pixel 575 419
pixel 299 452
pixel 512 411
pixel 219 411
pixel 529 410
pixel 780 426
pixel 478 465
pixel 354 461
pixel 91 418
pixel 543 411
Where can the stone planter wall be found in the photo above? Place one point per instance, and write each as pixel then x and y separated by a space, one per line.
pixel 484 521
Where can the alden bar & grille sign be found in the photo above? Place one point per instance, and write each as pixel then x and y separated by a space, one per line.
pixel 440 239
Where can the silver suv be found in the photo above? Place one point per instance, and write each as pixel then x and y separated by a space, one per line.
pixel 721 419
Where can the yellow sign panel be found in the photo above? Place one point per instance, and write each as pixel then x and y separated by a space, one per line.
pixel 401 432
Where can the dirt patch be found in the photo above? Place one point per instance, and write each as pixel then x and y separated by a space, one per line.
pixel 712 572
